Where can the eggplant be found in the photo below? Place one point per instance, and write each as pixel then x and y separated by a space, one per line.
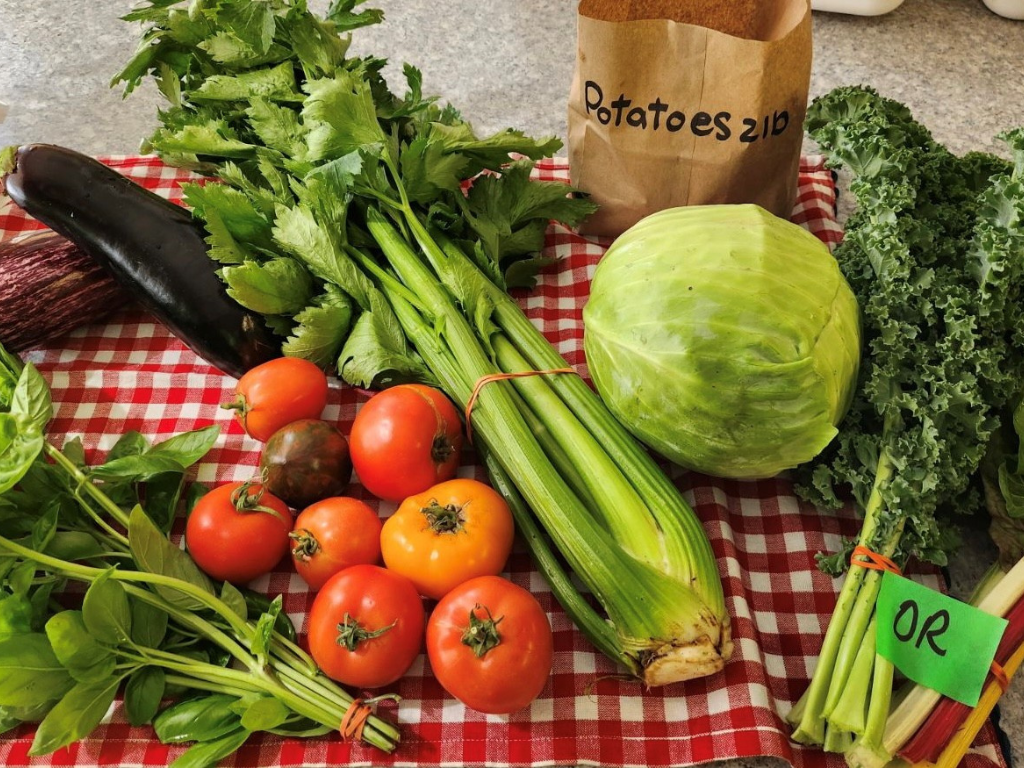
pixel 152 247
pixel 49 287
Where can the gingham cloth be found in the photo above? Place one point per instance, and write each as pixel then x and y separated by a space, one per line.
pixel 130 373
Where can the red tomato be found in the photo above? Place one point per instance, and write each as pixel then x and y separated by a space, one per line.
pixel 331 535
pixel 366 626
pixel 277 393
pixel 489 644
pixel 448 534
pixel 404 440
pixel 237 532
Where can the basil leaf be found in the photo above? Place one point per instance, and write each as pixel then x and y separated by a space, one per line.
pixel 8 720
pixel 15 616
pixel 143 694
pixel 154 553
pixel 234 599
pixel 136 468
pixel 45 527
pixel 264 631
pixel 40 600
pixel 106 611
pixel 75 716
pixel 20 443
pixel 163 492
pixel 31 402
pixel 73 545
pixel 74 451
pixel 209 753
pixel 264 713
pixel 30 673
pixel 201 719
pixel 189 447
pixel 19 580
pixel 149 624
pixel 258 604
pixel 131 443
pixel 84 658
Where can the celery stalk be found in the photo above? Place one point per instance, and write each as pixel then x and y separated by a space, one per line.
pixel 662 625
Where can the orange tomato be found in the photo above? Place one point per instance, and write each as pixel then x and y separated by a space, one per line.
pixel 452 532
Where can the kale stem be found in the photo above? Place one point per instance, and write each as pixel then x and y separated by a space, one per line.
pixel 809 715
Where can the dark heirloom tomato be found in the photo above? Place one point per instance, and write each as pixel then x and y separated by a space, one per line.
pixel 490 645
pixel 366 626
pixel 404 440
pixel 306 461
pixel 237 532
pixel 277 393
pixel 333 534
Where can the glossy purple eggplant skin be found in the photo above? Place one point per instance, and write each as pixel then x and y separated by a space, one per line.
pixel 154 248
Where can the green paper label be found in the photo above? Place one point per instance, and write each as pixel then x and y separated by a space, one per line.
pixel 936 640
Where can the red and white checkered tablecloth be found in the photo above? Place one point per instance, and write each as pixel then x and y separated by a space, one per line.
pixel 130 373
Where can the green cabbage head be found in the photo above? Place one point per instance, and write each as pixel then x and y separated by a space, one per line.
pixel 723 337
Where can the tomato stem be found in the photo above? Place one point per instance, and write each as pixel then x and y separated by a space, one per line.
pixel 444 519
pixel 482 634
pixel 351 633
pixel 441 448
pixel 306 544
pixel 245 502
pixel 239 404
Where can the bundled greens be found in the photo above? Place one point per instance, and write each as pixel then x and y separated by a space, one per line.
pixel 149 623
pixel 934 256
pixel 380 235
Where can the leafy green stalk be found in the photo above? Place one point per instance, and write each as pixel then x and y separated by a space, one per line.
pixel 148 613
pixel 809 717
pixel 932 254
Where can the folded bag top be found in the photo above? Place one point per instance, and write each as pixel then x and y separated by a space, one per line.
pixel 687 103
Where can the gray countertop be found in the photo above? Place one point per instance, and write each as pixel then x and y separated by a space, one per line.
pixel 959 68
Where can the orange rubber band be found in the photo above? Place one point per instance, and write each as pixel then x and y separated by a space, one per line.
pixel 874 561
pixel 1001 678
pixel 354 721
pixel 500 377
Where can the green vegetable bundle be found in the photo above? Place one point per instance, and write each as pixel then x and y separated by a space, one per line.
pixel 935 255
pixel 343 219
pixel 149 624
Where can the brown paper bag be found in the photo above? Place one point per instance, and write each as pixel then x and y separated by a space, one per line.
pixel 688 102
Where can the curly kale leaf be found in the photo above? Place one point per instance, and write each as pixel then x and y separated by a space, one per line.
pixel 934 257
